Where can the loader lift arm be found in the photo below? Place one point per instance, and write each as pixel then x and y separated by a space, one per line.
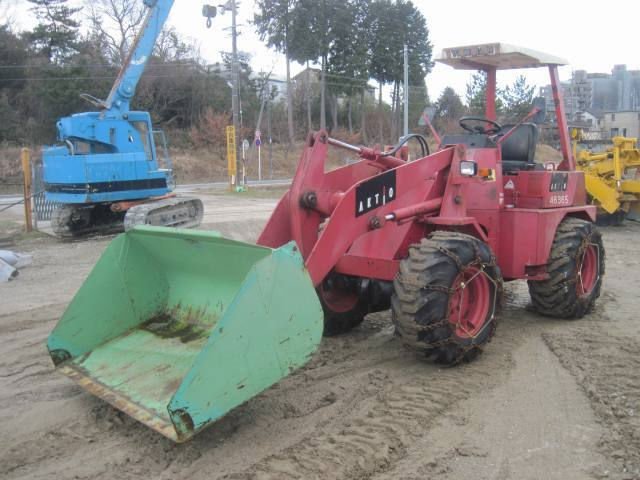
pixel 354 218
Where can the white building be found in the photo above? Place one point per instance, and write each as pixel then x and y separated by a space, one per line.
pixel 624 124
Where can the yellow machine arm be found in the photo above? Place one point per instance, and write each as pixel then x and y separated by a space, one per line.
pixel 612 177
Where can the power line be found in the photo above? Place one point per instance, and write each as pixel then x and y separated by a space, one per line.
pixel 97 65
pixel 205 74
pixel 113 77
pixel 213 68
pixel 56 79
pixel 199 69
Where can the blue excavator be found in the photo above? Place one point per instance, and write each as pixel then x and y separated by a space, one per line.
pixel 104 174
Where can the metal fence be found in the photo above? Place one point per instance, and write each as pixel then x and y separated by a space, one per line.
pixel 43 209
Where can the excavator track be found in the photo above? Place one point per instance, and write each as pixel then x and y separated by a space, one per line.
pixel 182 212
pixel 72 221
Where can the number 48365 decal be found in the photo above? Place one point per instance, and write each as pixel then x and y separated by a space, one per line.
pixel 559 200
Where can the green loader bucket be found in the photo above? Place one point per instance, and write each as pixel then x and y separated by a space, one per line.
pixel 178 327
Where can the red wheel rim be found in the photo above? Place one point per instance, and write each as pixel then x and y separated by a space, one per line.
pixel 471 302
pixel 338 300
pixel 589 270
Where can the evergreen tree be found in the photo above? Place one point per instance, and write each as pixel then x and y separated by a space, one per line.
pixel 56 35
pixel 418 99
pixel 13 57
pixel 348 67
pixel 314 28
pixel 394 24
pixel 413 32
pixel 382 52
pixel 449 109
pixel 476 94
pixel 517 99
pixel 273 23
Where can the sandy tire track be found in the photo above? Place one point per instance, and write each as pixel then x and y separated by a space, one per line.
pixel 363 408
pixel 607 367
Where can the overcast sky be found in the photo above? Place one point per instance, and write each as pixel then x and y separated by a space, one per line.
pixel 593 39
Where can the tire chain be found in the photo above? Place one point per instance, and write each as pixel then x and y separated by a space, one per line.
pixel 449 291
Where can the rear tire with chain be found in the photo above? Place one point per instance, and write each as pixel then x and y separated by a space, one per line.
pixel 575 267
pixel 447 296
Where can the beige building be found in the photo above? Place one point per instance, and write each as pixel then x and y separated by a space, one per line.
pixel 625 124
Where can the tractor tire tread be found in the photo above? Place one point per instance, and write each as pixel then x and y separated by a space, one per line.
pixel 420 301
pixel 557 296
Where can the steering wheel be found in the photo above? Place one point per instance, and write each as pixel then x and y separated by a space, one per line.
pixel 491 127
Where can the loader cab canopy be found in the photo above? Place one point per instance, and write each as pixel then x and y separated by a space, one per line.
pixel 491 57
pixel 496 56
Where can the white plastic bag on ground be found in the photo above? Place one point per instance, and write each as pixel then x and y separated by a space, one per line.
pixel 16 260
pixel 7 272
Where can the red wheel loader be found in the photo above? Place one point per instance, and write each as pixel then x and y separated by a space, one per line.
pixel 177 327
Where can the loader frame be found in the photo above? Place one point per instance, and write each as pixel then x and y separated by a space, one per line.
pixel 321 212
pixel 403 202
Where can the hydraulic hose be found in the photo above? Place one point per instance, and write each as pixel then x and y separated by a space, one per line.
pixel 424 146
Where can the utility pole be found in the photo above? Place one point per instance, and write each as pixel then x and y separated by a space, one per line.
pixel 270 139
pixel 406 90
pixel 235 81
pixel 210 11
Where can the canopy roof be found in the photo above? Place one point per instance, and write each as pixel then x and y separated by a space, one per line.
pixel 501 56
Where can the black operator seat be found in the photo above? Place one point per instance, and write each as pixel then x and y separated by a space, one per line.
pixel 519 149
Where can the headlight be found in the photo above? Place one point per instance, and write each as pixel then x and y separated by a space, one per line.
pixel 468 168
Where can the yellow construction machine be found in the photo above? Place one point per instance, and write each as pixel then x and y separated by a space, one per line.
pixel 612 177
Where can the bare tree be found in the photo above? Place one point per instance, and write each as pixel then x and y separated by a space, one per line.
pixel 117 23
pixel 172 47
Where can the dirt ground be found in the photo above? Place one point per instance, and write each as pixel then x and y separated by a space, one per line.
pixel 548 399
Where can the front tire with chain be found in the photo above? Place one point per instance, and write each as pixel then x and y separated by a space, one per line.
pixel 343 305
pixel 575 268
pixel 447 296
